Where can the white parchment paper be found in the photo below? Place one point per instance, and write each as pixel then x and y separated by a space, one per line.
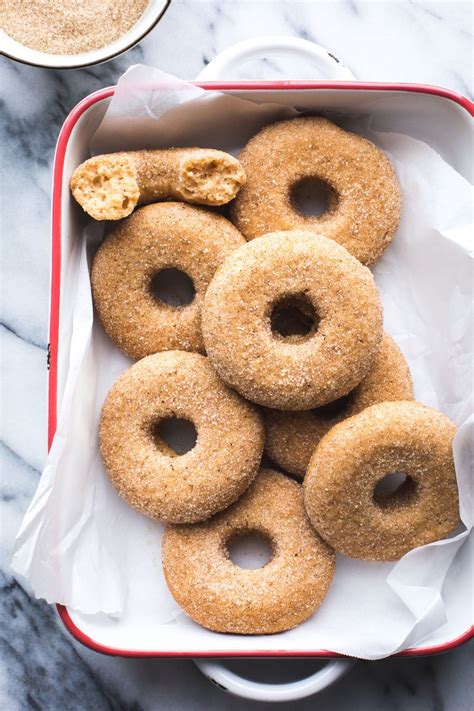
pixel 82 546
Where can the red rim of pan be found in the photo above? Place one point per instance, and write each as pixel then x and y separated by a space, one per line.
pixel 58 171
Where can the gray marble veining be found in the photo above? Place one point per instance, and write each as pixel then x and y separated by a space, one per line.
pixel 427 42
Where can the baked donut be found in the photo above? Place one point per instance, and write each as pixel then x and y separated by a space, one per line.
pixel 338 301
pixel 223 597
pixel 146 472
pixel 291 437
pixel 153 239
pixel 363 194
pixel 108 187
pixel 343 500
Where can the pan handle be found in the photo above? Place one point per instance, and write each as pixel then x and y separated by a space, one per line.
pixel 236 685
pixel 326 65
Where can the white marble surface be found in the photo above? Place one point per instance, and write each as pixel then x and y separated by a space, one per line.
pixel 43 669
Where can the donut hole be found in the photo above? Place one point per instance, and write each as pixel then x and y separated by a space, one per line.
pixel 313 197
pixel 172 287
pixel 174 436
pixel 394 489
pixel 335 409
pixel 250 550
pixel 294 318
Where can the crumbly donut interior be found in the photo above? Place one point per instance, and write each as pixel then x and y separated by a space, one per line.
pixel 211 180
pixel 106 186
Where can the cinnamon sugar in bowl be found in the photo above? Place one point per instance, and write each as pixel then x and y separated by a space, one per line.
pixel 74 33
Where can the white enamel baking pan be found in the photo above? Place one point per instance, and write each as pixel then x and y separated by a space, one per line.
pixel 437 116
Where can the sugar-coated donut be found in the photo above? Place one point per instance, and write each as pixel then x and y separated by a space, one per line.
pixel 108 187
pixel 145 471
pixel 157 237
pixel 296 372
pixel 364 197
pixel 223 597
pixel 291 437
pixel 340 484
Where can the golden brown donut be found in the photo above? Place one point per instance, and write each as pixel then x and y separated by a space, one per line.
pixel 223 597
pixel 145 471
pixel 291 437
pixel 340 485
pixel 157 237
pixel 273 273
pixel 108 187
pixel 364 198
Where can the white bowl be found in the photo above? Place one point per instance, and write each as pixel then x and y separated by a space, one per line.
pixel 152 15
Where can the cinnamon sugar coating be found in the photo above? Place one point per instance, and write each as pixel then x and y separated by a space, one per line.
pixel 109 186
pixel 292 373
pixel 339 486
pixel 223 597
pixel 160 236
pixel 364 202
pixel 291 437
pixel 145 471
